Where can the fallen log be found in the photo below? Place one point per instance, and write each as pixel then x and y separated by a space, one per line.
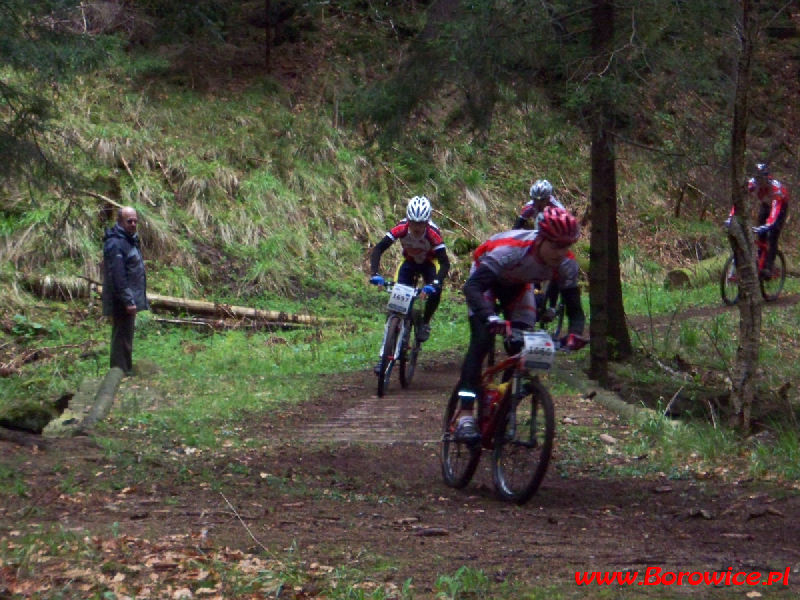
pixel 207 324
pixel 103 400
pixel 699 274
pixel 217 309
pixel 69 288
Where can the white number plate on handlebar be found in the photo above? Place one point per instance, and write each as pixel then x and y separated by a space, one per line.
pixel 539 351
pixel 400 298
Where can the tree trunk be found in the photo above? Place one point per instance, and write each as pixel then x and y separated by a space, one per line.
pixel 267 36
pixel 599 323
pixel 620 336
pixel 608 333
pixel 739 233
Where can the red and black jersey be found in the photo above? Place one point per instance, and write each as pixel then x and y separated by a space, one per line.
pixel 417 249
pixel 428 247
pixel 775 195
pixel 774 200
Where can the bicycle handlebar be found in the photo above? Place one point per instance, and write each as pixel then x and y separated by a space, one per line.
pixel 388 284
pixel 512 334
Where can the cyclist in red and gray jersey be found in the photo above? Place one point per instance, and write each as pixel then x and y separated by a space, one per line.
pixel 773 198
pixel 503 270
pixel 424 253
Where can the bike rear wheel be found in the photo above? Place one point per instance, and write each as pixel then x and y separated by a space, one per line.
pixel 459 459
pixel 409 353
pixel 387 357
pixel 772 287
pixel 729 282
pixel 523 444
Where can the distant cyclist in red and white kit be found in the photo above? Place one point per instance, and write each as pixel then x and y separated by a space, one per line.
pixel 773 206
pixel 424 253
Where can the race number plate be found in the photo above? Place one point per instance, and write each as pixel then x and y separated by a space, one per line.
pixel 400 298
pixel 539 351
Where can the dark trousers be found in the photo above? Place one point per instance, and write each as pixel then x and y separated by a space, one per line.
pixel 407 274
pixel 480 342
pixel 122 342
pixel 773 234
pixel 772 247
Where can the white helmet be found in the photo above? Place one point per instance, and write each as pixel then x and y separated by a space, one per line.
pixel 419 209
pixel 541 190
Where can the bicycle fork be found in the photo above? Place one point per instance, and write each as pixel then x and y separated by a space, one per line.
pixel 401 332
pixel 519 390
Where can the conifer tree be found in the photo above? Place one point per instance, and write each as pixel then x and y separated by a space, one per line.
pixel 38 47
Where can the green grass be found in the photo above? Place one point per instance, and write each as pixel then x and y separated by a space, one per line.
pixel 290 203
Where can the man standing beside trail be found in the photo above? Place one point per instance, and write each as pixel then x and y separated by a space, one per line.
pixel 124 285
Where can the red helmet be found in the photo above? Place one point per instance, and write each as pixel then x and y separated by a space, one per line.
pixel 559 226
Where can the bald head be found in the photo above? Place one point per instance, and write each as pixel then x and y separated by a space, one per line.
pixel 127 219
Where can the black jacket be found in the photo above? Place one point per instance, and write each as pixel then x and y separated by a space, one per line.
pixel 124 279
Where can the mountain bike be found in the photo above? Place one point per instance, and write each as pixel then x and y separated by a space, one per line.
pixel 771 286
pixel 400 343
pixel 515 417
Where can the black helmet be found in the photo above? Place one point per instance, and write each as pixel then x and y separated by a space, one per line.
pixel 762 170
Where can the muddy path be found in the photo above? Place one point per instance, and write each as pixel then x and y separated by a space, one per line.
pixel 351 480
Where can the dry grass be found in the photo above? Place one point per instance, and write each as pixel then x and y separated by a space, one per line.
pixel 18 245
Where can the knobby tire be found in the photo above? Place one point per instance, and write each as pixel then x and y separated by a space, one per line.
pixel 771 288
pixel 409 353
pixel 459 460
pixel 729 283
pixel 387 357
pixel 522 451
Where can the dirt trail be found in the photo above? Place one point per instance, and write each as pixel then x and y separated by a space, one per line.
pixel 349 480
pixel 376 463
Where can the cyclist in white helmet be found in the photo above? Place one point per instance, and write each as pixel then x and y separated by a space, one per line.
pixel 424 255
pixel 541 194
pixel 530 215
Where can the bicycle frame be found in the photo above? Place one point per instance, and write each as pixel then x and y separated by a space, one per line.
pixel 403 314
pixel 516 421
pixel 771 286
pixel 511 368
pixel 490 407
pixel 406 319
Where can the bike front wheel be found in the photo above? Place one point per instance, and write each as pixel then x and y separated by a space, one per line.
pixel 771 287
pixel 387 356
pixel 523 444
pixel 729 282
pixel 459 459
pixel 409 354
